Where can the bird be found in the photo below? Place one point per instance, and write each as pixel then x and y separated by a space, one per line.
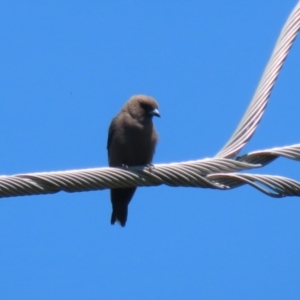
pixel 132 139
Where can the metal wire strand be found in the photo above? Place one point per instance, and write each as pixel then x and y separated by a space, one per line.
pixel 188 174
pixel 253 114
pixel 274 186
pixel 264 157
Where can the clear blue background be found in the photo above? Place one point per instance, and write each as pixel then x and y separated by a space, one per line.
pixel 66 68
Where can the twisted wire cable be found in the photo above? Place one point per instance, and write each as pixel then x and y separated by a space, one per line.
pixel 188 174
pixel 264 157
pixel 271 185
pixel 254 112
pixel 206 173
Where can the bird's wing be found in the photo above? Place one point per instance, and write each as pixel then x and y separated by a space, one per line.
pixel 111 132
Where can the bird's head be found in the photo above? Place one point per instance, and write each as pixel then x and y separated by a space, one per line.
pixel 142 107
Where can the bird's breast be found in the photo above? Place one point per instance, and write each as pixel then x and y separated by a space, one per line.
pixel 134 145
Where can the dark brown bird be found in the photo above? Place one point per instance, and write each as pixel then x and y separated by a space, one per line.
pixel 131 142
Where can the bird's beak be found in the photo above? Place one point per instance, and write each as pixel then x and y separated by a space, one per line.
pixel 155 112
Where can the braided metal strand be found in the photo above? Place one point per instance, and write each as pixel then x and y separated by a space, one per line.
pixel 264 157
pixel 254 113
pixel 274 186
pixel 188 174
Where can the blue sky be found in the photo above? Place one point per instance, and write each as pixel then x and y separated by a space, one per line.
pixel 67 67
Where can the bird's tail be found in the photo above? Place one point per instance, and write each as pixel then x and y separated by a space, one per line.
pixel 120 199
pixel 119 216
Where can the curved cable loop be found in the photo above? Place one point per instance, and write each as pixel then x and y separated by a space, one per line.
pixel 213 173
pixel 274 186
pixel 253 114
pixel 264 157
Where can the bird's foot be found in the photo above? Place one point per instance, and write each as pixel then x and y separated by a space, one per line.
pixel 125 166
pixel 150 167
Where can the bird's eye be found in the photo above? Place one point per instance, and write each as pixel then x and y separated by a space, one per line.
pixel 146 107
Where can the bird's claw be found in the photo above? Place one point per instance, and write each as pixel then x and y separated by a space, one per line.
pixel 150 167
